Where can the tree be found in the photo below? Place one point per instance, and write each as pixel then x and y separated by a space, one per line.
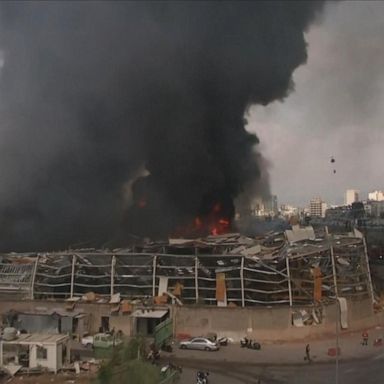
pixel 127 365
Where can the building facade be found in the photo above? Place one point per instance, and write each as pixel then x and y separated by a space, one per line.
pixel 351 196
pixel 317 207
pixel 376 196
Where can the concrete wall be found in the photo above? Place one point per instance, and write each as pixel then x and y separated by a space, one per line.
pixel 59 356
pixel 123 323
pixel 96 311
pixel 50 362
pixel 232 322
pixel 267 324
pixel 258 323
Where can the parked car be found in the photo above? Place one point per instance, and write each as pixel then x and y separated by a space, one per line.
pixel 87 341
pixel 201 343
pixel 101 340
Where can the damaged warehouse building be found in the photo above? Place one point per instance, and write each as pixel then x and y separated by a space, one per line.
pixel 294 283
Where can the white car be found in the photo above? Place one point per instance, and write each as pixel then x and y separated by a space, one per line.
pixel 101 340
pixel 87 341
pixel 201 343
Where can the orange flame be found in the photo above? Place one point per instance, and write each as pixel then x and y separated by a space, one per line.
pixel 216 208
pixel 198 222
pixel 213 223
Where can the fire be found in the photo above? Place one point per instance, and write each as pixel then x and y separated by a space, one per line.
pixel 216 208
pixel 212 223
pixel 222 226
pixel 198 222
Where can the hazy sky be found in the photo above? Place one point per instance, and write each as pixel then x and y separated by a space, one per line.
pixel 335 110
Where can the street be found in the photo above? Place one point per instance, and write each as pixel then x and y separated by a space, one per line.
pixel 369 371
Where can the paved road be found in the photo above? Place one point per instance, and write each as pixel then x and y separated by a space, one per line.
pixel 368 371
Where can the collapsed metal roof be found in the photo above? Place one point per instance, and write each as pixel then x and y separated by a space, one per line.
pixel 278 268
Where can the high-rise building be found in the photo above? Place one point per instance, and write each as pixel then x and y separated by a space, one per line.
pixel 317 207
pixel 265 207
pixel 271 205
pixel 351 196
pixel 376 196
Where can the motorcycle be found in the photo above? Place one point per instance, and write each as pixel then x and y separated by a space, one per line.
pixel 153 356
pixel 202 377
pixel 248 343
pixel 222 341
pixel 172 367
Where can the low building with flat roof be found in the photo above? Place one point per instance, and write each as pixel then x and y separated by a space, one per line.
pixel 35 350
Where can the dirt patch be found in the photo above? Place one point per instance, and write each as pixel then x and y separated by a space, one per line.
pixel 47 378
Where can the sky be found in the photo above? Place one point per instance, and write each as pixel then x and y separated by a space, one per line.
pixel 336 109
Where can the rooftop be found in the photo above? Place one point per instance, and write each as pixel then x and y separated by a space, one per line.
pixel 36 338
pixel 278 268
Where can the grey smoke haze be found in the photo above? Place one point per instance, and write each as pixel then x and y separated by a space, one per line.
pixel 91 91
pixel 336 110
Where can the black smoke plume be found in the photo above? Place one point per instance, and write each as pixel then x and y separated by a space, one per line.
pixel 92 91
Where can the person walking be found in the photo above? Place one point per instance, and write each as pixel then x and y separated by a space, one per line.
pixel 308 354
pixel 364 335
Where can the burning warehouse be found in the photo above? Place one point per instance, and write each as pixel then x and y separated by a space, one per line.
pixel 299 274
pixel 141 108
pixel 234 270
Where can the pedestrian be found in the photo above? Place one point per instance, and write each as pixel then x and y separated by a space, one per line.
pixel 308 353
pixel 364 335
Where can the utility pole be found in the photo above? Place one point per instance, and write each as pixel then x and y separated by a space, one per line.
pixel 338 310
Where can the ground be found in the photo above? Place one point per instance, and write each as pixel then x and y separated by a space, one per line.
pixel 50 378
pixel 274 364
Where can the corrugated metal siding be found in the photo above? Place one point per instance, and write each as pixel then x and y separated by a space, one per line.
pixel 38 323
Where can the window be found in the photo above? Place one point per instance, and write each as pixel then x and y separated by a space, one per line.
pixel 41 353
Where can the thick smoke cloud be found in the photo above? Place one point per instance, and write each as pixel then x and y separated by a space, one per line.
pixel 92 91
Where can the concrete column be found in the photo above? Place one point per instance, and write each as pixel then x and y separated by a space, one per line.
pixel 154 261
pixel 289 280
pixel 113 263
pixel 196 279
pixel 34 277
pixel 334 270
pixel 368 271
pixel 242 282
pixel 73 274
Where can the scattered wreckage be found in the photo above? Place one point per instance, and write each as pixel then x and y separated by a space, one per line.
pixel 295 267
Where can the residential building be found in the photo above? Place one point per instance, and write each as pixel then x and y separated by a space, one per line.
pixel 351 196
pixel 317 207
pixel 338 213
pixel 265 207
pixel 377 209
pixel 271 205
pixel 376 196
pixel 287 210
